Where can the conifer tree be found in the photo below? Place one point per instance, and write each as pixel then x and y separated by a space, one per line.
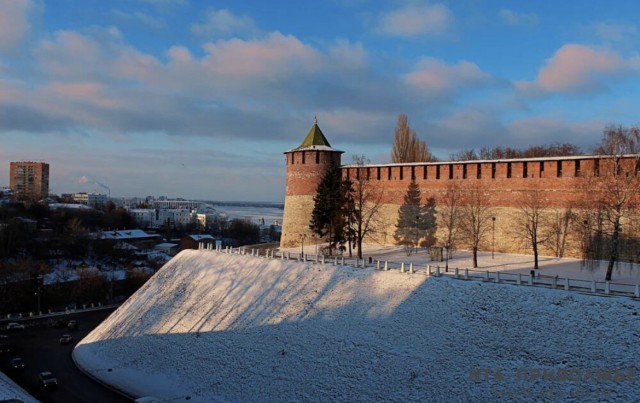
pixel 428 223
pixel 409 227
pixel 327 217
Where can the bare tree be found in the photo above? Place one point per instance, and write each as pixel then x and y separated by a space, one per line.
pixel 449 215
pixel 615 188
pixel 367 202
pixel 475 217
pixel 560 229
pixel 407 147
pixel 532 223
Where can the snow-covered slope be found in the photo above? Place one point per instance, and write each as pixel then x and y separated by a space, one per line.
pixel 212 326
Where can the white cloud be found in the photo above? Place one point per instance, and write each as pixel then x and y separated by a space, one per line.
pixel 514 18
pixel 416 20
pixel 612 32
pixel 578 69
pixel 437 77
pixel 139 18
pixel 223 23
pixel 15 21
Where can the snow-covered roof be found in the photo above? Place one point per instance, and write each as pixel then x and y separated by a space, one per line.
pixel 128 234
pixel 69 206
pixel 166 245
pixel 221 327
pixel 201 237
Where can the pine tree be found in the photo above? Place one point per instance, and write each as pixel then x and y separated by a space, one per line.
pixel 327 217
pixel 409 217
pixel 428 223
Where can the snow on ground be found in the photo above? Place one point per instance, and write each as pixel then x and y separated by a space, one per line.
pixel 625 273
pixel 12 392
pixel 224 327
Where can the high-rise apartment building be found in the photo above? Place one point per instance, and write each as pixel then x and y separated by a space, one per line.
pixel 29 179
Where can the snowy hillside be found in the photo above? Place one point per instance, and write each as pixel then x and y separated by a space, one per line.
pixel 212 326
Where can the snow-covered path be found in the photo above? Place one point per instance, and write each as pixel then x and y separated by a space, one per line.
pixel 226 327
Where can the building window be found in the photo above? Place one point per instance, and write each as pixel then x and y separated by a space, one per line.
pixel 479 171
pixel 464 171
pixel 450 171
pixel 541 167
pixel 424 172
pixel 401 173
pixel 317 157
pixel 525 170
pixel 303 157
pixel 413 173
pixel 493 170
pixel 508 170
pixel 368 173
pixel 437 171
pixel 596 167
pixel 379 173
pixel 293 158
pixel 559 169
pixel 389 173
pixel 358 173
pixel 577 168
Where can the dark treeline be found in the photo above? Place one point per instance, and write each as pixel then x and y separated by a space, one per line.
pixel 500 152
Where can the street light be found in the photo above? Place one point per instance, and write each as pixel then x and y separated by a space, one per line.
pixel 302 237
pixel 417 221
pixel 446 257
pixel 493 236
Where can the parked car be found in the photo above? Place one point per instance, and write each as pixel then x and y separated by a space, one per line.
pixel 72 325
pixel 17 363
pixel 47 380
pixel 66 339
pixel 15 326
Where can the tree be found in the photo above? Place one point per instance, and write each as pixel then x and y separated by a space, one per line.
pixel 449 215
pixel 560 229
pixel 411 222
pixel 327 218
pixel 615 187
pixel 531 222
pixel 429 223
pixel 407 147
pixel 367 202
pixel 475 217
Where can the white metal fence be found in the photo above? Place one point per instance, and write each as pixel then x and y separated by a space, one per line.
pixel 533 279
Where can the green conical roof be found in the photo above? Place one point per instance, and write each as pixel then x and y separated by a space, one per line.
pixel 315 137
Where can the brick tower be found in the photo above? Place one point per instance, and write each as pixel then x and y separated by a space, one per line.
pixel 306 166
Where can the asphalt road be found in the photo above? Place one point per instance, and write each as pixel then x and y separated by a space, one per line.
pixel 38 345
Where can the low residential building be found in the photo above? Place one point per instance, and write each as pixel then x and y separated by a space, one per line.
pixel 95 200
pixel 193 241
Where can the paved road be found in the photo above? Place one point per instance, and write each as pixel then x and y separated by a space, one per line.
pixel 39 346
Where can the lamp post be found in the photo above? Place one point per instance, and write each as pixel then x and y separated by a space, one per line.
pixel 417 239
pixel 446 257
pixel 302 236
pixel 493 236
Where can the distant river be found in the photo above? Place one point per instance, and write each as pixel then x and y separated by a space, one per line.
pixel 255 214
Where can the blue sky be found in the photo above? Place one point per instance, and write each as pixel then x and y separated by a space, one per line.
pixel 199 99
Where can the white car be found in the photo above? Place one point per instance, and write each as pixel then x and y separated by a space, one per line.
pixel 66 339
pixel 47 379
pixel 15 326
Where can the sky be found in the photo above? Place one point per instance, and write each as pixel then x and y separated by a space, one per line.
pixel 199 99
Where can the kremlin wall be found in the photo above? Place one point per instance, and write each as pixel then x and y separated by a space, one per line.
pixel 505 183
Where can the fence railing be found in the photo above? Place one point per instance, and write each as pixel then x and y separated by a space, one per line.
pixel 532 279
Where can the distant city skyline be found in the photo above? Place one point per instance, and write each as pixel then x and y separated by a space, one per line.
pixel 199 99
